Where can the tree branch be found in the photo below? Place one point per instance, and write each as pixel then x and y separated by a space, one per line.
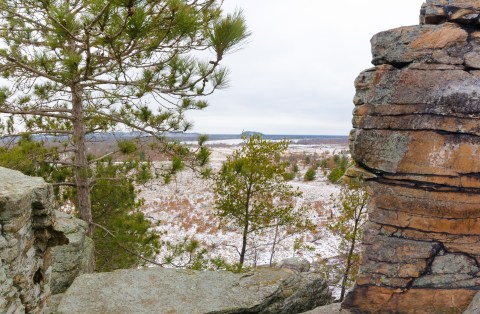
pixel 97 18
pixel 102 157
pixel 35 112
pixel 32 70
pixel 64 184
pixel 22 17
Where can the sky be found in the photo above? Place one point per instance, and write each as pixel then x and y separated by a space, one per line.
pixel 295 74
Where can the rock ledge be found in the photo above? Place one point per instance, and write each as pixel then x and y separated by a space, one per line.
pixel 160 290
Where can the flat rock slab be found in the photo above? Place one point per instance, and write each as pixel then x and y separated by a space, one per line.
pixel 160 290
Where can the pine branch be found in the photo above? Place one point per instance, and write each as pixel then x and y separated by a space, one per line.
pixel 37 112
pixel 32 70
pixel 111 234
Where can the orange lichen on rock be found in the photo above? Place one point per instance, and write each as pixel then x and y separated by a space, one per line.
pixel 374 299
pixel 417 132
pixel 441 38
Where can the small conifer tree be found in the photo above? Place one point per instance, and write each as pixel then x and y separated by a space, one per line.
pixel 310 174
pixel 251 191
pixel 351 204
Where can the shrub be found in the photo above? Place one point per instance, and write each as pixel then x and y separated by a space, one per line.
pixel 341 165
pixel 289 176
pixel 335 175
pixel 295 168
pixel 309 175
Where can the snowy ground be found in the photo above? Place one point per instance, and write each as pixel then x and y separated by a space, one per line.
pixel 185 208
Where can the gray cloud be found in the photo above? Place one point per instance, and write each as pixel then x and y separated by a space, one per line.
pixel 295 76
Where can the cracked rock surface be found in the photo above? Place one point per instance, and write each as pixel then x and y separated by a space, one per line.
pixel 417 136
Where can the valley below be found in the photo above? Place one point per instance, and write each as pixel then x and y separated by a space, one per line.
pixel 184 208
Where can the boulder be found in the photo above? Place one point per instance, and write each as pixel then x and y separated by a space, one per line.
pixel 52 305
pixel 295 263
pixel 74 259
pixel 160 290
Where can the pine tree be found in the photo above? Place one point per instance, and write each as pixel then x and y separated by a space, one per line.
pixel 348 225
pixel 114 202
pixel 79 67
pixel 252 194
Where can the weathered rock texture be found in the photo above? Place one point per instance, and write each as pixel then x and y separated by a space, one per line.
pixel 75 258
pixel 160 290
pixel 474 307
pixel 328 309
pixel 417 133
pixel 26 235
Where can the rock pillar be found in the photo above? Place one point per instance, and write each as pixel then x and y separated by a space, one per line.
pixel 26 238
pixel 417 132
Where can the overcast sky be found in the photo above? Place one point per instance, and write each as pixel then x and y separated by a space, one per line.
pixel 295 75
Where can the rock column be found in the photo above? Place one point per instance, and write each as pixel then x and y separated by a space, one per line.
pixel 26 238
pixel 417 135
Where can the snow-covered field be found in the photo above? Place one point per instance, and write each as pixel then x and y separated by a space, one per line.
pixel 185 208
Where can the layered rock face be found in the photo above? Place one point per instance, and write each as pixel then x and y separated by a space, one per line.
pixel 417 136
pixel 26 236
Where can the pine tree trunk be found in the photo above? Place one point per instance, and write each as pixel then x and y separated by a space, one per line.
pixel 273 245
pixel 349 260
pixel 244 244
pixel 81 168
pixel 246 227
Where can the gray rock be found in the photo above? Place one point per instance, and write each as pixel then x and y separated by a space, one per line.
pixel 329 309
pixel 452 270
pixel 454 264
pixel 474 307
pixel 19 192
pixel 295 263
pixel 472 59
pixel 386 149
pixel 160 290
pixel 52 306
pixel 449 280
pixel 26 235
pixel 74 259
